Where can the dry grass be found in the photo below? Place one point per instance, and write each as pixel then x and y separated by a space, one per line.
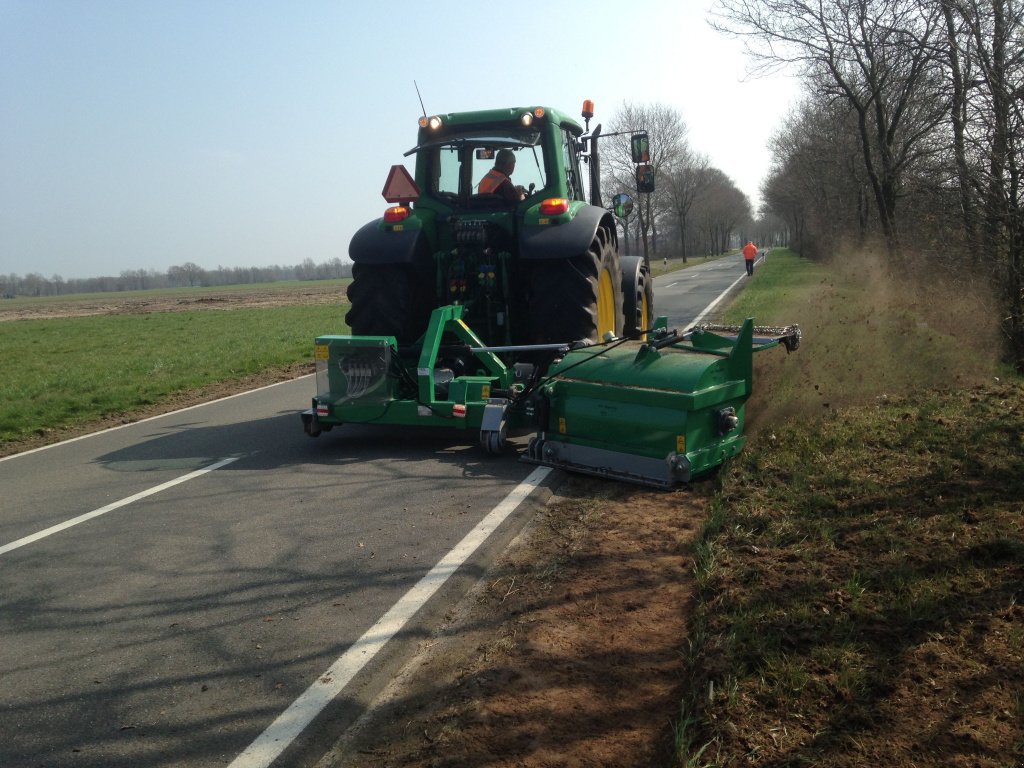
pixel 862 569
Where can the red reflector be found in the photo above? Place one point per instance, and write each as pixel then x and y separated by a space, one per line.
pixel 459 411
pixel 396 213
pixel 323 410
pixel 554 206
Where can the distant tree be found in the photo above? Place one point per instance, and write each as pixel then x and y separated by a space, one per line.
pixel 684 180
pixel 720 211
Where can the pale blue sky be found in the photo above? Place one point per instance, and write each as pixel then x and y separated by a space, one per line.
pixel 137 134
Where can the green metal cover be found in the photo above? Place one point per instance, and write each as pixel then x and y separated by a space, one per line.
pixel 635 401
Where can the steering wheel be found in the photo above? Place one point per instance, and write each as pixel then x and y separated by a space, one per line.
pixel 524 191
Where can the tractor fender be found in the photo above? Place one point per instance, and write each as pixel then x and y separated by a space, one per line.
pixel 566 239
pixel 375 243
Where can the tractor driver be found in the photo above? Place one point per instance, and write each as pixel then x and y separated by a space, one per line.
pixel 497 180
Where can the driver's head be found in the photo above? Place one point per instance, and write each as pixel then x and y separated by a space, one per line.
pixel 505 161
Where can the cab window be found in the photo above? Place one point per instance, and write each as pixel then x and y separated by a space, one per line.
pixel 570 157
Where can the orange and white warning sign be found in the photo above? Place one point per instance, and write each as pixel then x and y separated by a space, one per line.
pixel 400 187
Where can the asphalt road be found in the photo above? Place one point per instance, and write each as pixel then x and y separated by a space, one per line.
pixel 170 588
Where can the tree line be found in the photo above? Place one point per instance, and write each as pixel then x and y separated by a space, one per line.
pixel 696 209
pixel 909 134
pixel 185 275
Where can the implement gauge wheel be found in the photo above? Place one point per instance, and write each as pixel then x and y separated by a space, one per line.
pixel 579 297
pixel 389 300
pixel 493 441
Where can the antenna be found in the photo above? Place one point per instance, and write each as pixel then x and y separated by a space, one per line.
pixel 420 98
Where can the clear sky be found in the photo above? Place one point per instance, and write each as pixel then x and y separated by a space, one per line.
pixel 137 134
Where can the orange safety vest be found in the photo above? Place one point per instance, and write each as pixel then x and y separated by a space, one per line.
pixel 749 251
pixel 491 181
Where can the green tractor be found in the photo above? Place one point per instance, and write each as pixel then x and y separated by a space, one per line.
pixel 537 264
pixel 492 297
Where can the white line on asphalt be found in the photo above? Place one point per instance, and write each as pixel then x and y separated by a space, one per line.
pixel 111 507
pixel 284 730
pixel 151 418
pixel 714 303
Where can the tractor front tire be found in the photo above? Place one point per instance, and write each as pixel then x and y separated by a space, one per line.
pixel 577 298
pixel 389 300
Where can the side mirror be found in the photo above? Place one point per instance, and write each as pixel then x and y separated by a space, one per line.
pixel 640 147
pixel 622 204
pixel 645 178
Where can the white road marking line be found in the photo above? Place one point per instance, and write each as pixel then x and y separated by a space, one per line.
pixel 116 505
pixel 151 418
pixel 268 746
pixel 714 303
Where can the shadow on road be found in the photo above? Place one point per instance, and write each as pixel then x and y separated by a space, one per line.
pixel 279 442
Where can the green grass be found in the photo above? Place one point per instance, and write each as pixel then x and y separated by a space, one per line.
pixel 860 574
pixel 74 370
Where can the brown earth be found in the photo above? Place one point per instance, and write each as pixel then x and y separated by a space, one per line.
pixel 568 654
pixel 138 303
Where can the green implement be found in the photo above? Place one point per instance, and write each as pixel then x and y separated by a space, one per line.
pixel 659 412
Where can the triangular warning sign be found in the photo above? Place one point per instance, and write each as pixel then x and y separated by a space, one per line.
pixel 400 188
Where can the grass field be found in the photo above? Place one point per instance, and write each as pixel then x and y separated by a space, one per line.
pixel 861 574
pixel 67 371
pixel 77 360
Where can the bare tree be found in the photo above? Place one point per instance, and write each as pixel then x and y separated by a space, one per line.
pixel 986 69
pixel 667 133
pixel 719 211
pixel 685 179
pixel 878 55
pixel 817 183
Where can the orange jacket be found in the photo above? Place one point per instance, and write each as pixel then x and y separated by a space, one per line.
pixel 749 251
pixel 492 181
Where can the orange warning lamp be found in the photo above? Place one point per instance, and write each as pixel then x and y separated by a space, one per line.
pixel 396 213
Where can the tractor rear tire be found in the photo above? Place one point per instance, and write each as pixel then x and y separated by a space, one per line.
pixel 637 297
pixel 389 300
pixel 577 298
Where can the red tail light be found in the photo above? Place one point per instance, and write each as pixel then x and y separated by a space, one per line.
pixel 554 206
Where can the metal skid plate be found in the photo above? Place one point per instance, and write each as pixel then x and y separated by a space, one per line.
pixel 665 473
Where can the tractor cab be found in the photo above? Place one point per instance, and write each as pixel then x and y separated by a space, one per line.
pixel 455 152
pixel 455 167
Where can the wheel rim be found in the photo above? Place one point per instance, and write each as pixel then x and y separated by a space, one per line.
pixel 605 304
pixel 644 310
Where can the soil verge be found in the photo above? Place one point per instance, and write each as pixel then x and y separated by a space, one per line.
pixel 568 654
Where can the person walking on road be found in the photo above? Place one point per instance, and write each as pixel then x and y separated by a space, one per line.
pixel 749 254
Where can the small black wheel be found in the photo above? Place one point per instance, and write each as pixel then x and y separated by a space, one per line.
pixel 494 441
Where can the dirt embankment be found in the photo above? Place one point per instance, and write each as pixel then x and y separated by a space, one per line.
pixel 569 654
